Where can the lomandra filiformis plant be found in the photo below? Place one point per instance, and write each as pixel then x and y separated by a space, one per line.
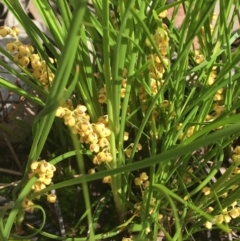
pixel 136 106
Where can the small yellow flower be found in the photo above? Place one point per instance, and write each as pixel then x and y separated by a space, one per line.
pixel 14 32
pixel 101 156
pixel 44 166
pixel 236 158
pixel 38 186
pixel 147 230
pixel 206 190
pixel 103 119
pixel 27 203
pixel 99 127
pixel 108 157
pixel 34 165
pixel 236 171
pixel 163 14
pixel 126 136
pixel 199 58
pixel 138 181
pixel 47 181
pixel 139 147
pixel 60 112
pixel 24 50
pixel 4 31
pixel 234 213
pixel 92 137
pixel 137 206
pixel 146 184
pixel 51 198
pixel 224 195
pixel 227 218
pixel 237 150
pixel 103 142
pixel 24 61
pixel 81 109
pixel 210 209
pixel 234 204
pixel 219 218
pixel 12 46
pixel 107 179
pixel 49 174
pixel 69 120
pixel 105 133
pixel 94 148
pixel 91 171
pixel 143 176
pixel 208 225
pixel 128 152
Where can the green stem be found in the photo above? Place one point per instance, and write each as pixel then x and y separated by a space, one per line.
pixel 116 179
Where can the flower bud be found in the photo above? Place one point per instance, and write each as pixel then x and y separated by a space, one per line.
pixel 12 46
pixel 24 61
pixel 60 112
pixel 206 190
pixel 208 225
pixel 14 31
pixel 107 179
pixel 4 31
pixel 51 198
pixel 234 213
pixel 143 176
pixel 34 165
pixel 94 148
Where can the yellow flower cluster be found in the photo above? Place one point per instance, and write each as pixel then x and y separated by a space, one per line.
pixel 225 216
pixel 41 71
pixel 128 150
pixel 187 176
pixel 154 87
pixel 157 67
pixel 142 180
pixel 45 172
pixel 13 31
pixel 23 55
pixel 27 205
pixel 198 57
pixel 102 96
pixel 216 111
pixel 212 77
pixel 218 108
pixel 96 135
pixel 233 211
pixel 211 28
pixel 218 97
pixel 143 183
pixel 186 133
pixel 138 207
pixel 236 171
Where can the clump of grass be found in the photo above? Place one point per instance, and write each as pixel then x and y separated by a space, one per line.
pixel 136 117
